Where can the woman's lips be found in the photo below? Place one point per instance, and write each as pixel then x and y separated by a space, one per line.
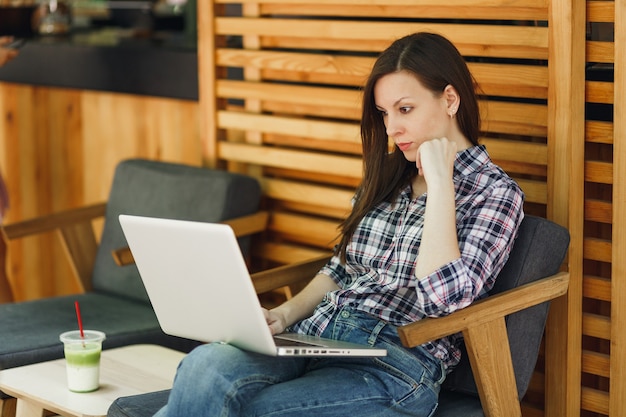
pixel 403 146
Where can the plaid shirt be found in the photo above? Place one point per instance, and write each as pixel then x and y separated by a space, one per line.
pixel 379 275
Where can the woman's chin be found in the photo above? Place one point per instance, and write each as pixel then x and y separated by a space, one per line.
pixel 409 155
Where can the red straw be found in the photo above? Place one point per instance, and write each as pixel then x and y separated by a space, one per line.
pixel 80 320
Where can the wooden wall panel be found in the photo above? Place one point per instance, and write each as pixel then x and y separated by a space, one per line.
pixel 58 150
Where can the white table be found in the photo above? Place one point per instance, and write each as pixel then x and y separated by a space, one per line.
pixel 129 370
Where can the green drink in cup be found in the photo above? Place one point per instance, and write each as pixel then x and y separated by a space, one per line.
pixel 82 356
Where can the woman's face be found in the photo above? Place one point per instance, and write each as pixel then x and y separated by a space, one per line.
pixel 413 114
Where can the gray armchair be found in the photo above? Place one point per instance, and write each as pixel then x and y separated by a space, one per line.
pixel 502 333
pixel 115 301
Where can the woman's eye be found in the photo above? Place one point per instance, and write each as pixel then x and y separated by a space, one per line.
pixel 405 109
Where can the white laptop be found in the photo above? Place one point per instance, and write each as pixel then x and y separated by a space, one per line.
pixel 200 289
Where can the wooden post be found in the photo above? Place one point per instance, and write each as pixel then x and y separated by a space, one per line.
pixel 566 200
pixel 206 81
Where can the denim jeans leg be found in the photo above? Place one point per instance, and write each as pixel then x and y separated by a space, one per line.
pixel 217 380
pixel 345 387
pixel 404 383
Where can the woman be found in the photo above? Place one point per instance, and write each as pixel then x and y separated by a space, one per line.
pixel 432 225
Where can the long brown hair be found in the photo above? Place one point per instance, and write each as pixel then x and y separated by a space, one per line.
pixel 436 63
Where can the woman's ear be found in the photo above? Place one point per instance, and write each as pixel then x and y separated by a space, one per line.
pixel 453 100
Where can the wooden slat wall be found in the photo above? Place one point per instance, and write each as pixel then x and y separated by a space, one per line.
pixel 58 150
pixel 292 118
pixel 603 388
pixel 280 100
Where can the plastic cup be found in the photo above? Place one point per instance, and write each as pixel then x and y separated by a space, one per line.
pixel 82 357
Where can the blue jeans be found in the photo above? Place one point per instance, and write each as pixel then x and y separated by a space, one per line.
pixel 219 380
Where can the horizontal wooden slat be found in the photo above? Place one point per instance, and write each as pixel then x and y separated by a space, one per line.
pixel 597 288
pixel 599 92
pixel 309 209
pixel 514 118
pixel 597 51
pixel 598 326
pixel 599 172
pixel 291 159
pixel 596 363
pixel 600 11
pixel 597 249
pixel 535 191
pixel 307 193
pixel 439 10
pixel 467 49
pixel 305 229
pixel 526 152
pixel 512 41
pixel 352 70
pixel 595 401
pixel 312 76
pixel 306 128
pixel 599 132
pixel 518 168
pixel 598 211
pixel 316 177
pixel 292 94
pixel 303 109
pixel 527 81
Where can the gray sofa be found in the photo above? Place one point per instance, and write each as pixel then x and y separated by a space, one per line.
pixel 538 253
pixel 117 304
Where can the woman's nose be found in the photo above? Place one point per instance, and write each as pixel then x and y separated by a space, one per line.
pixel 392 126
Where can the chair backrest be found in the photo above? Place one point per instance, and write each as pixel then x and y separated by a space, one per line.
pixel 168 190
pixel 538 252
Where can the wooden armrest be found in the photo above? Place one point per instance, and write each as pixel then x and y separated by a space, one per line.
pixel 250 224
pixel 486 339
pixel 281 276
pixel 485 310
pixel 74 227
pixel 53 221
pixel 242 226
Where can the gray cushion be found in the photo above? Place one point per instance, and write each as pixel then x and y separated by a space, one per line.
pixel 456 404
pixel 158 189
pixel 31 329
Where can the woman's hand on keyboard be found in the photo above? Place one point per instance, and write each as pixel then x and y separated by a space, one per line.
pixel 275 321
